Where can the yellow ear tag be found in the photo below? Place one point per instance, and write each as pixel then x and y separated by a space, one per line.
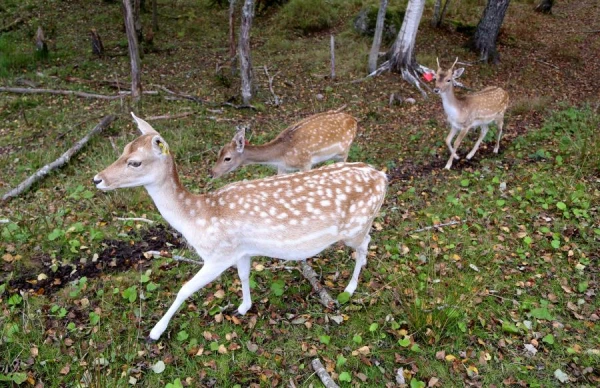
pixel 164 148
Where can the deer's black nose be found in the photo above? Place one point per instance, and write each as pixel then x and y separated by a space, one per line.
pixel 436 90
pixel 96 181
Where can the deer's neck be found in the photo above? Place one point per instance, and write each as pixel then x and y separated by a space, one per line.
pixel 271 153
pixel 180 208
pixel 452 105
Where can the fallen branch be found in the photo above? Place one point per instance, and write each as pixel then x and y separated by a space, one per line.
pixel 276 100
pixel 436 226
pixel 180 95
pixel 13 25
pixel 4 221
pixel 135 219
pixel 322 373
pixel 547 64
pixel 169 117
pixel 156 254
pixel 64 158
pixel 310 274
pixel 63 92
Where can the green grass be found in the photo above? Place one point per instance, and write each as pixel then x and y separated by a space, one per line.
pixel 459 303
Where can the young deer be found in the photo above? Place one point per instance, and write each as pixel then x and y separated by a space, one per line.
pixel 291 217
pixel 313 140
pixel 472 110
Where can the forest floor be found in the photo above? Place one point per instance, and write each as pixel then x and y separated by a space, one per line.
pixel 505 295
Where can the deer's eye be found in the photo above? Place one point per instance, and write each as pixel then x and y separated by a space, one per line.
pixel 227 159
pixel 449 80
pixel 134 163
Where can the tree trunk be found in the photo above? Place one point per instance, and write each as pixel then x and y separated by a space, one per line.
pixel 486 34
pixel 134 53
pixel 244 51
pixel 545 6
pixel 374 54
pixel 232 36
pixel 439 12
pixel 155 15
pixel 402 59
pixel 332 48
pixel 137 20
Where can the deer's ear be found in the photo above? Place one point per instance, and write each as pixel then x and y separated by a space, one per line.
pixel 240 139
pixel 160 146
pixel 458 72
pixel 143 126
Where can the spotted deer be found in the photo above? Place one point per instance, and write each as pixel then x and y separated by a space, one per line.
pixel 313 140
pixel 478 109
pixel 290 217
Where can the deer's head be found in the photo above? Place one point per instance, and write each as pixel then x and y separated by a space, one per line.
pixel 443 78
pixel 231 155
pixel 144 161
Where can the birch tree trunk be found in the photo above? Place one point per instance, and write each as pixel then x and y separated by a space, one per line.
pixel 134 53
pixel 374 54
pixel 137 20
pixel 244 51
pixel 486 34
pixel 402 59
pixel 439 12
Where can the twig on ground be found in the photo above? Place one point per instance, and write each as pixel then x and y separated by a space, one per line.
pixel 436 226
pixel 63 92
pixel 180 96
pixel 4 221
pixel 310 274
pixel 547 64
pixel 169 117
pixel 13 25
pixel 168 255
pixel 276 100
pixel 322 373
pixel 139 219
pixel 64 158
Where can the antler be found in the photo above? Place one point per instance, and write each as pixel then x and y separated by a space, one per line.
pixel 438 62
pixel 456 60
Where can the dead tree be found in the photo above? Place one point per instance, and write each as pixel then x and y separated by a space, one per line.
pixel 374 54
pixel 402 58
pixel 545 6
pixel 154 15
pixel 486 34
pixel 97 46
pixel 40 44
pixel 439 12
pixel 134 52
pixel 244 51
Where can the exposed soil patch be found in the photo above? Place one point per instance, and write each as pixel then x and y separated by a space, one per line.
pixel 118 256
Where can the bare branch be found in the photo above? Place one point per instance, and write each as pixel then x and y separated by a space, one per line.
pixel 276 100
pixel 310 274
pixel 64 159
pixel 438 226
pixel 156 254
pixel 63 92
pixel 322 373
pixel 135 219
pixel 169 117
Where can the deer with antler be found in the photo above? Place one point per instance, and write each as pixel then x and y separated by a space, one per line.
pixel 291 217
pixel 315 139
pixel 478 109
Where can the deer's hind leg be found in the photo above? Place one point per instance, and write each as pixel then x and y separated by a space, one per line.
pixel 484 131
pixel 500 124
pixel 361 245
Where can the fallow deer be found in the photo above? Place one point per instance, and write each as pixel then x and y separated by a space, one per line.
pixel 313 140
pixel 472 110
pixel 290 217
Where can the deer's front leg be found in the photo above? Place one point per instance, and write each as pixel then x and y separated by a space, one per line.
pixel 207 274
pixel 449 138
pixel 243 267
